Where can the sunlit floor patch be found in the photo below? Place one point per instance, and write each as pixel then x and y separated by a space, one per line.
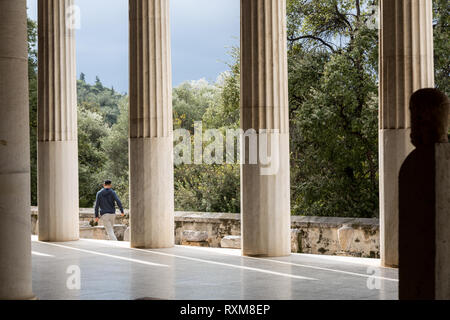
pixel 34 253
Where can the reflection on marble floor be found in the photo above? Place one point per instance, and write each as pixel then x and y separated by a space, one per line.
pixel 104 270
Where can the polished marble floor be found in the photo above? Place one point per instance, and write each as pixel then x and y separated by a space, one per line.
pixel 104 270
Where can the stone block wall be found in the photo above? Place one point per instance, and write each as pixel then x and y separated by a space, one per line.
pixel 311 235
pixel 319 235
pixel 215 225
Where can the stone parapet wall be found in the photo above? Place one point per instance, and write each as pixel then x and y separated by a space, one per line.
pixel 319 235
pixel 312 235
pixel 216 225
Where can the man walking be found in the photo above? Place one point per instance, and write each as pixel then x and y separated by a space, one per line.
pixel 106 201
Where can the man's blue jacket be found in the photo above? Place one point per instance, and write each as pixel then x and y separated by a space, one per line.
pixel 106 201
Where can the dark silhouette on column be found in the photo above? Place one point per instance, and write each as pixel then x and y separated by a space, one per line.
pixel 424 201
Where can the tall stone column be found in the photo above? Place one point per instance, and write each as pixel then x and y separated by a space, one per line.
pixel 406 65
pixel 265 185
pixel 15 226
pixel 151 129
pixel 58 199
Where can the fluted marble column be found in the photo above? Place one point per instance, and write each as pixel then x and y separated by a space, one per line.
pixel 265 186
pixel 151 131
pixel 15 226
pixel 58 199
pixel 406 65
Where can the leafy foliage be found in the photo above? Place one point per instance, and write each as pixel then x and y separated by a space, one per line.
pixel 103 148
pixel 32 84
pixel 209 188
pixel 91 131
pixel 102 140
pixel 333 103
pixel 333 62
pixel 441 10
pixel 225 113
pixel 115 145
pixel 99 99
pixel 191 99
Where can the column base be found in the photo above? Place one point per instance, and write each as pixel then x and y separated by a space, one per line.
pixel 58 199
pixel 15 241
pixel 265 255
pixel 32 298
pixel 266 215
pixel 152 193
pixel 394 147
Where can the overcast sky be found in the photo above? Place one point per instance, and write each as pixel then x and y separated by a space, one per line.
pixel 202 32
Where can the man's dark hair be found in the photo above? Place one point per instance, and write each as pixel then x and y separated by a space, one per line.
pixel 107 182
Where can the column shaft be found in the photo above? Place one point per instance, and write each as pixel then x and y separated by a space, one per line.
pixel 57 124
pixel 151 129
pixel 406 65
pixel 265 189
pixel 15 226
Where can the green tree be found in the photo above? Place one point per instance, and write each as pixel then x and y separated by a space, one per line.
pixel 99 99
pixel 103 140
pixel 207 188
pixel 32 83
pixel 91 132
pixel 224 111
pixel 211 188
pixel 333 81
pixel 191 99
pixel 115 147
pixel 441 26
pixel 333 105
